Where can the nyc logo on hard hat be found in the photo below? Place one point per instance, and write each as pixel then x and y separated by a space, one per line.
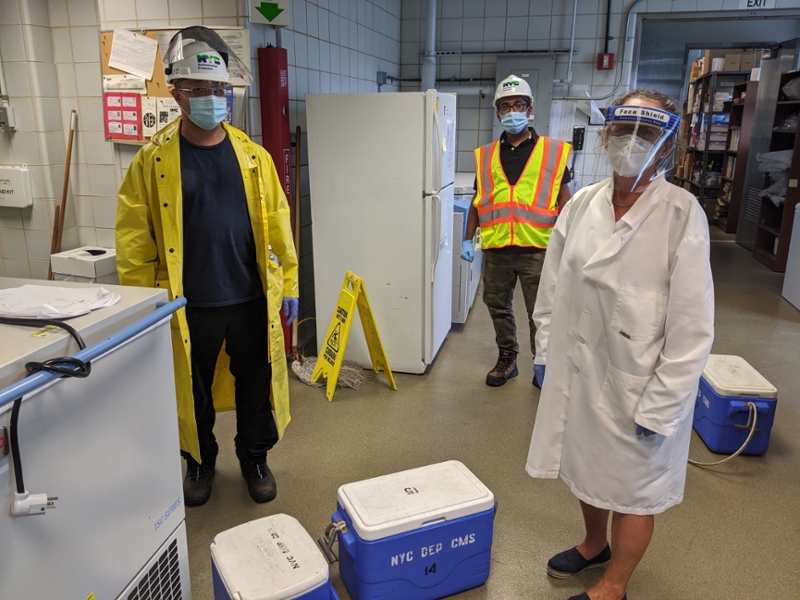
pixel 207 58
pixel 509 84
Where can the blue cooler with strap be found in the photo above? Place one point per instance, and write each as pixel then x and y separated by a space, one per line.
pixel 420 534
pixel 732 399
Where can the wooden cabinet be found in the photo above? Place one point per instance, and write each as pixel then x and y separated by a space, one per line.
pixel 737 149
pixel 775 221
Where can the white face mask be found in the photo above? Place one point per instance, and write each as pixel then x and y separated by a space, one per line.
pixel 628 155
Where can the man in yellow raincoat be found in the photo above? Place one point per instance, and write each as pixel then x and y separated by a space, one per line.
pixel 201 213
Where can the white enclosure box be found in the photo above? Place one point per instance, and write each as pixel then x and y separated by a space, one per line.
pixel 15 187
pixel 88 264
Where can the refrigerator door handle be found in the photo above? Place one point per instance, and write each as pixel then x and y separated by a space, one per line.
pixel 438 152
pixel 436 208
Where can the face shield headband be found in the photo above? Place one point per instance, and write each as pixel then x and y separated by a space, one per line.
pixel 236 68
pixel 639 141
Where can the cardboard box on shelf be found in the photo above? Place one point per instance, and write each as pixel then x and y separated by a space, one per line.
pixel 749 61
pixel 733 61
pixel 710 55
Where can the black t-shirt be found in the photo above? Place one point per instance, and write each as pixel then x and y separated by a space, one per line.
pixel 513 161
pixel 219 251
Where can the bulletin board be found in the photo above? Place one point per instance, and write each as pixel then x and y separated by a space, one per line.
pixel 132 112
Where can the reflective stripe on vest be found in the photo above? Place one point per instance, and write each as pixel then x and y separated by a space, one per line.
pixel 523 214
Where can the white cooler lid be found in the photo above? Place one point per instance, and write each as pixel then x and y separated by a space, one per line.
pixel 734 376
pixel 405 501
pixel 269 559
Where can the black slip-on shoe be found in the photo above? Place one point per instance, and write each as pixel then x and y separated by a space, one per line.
pixel 571 563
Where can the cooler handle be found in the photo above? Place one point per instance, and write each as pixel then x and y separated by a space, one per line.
pixel 331 532
pixel 738 407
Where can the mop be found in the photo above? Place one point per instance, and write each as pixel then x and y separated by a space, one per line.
pixel 351 375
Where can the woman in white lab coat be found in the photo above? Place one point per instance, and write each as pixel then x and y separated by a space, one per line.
pixel 624 319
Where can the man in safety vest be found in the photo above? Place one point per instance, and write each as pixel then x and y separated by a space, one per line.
pixel 201 213
pixel 520 186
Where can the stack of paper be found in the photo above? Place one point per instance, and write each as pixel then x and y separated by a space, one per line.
pixel 46 302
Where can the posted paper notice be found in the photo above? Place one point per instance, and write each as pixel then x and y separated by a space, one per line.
pixel 133 53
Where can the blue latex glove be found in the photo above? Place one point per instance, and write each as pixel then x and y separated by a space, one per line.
pixel 290 308
pixel 538 375
pixel 467 251
pixel 644 431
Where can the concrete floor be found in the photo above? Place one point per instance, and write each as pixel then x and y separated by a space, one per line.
pixel 736 535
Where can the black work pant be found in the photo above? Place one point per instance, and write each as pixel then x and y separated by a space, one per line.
pixel 243 328
pixel 500 273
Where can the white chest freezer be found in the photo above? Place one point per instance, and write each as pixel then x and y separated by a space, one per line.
pixel 106 446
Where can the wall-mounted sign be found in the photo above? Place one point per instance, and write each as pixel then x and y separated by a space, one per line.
pixel 273 13
pixel 756 4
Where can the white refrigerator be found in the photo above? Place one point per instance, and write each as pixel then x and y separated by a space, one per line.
pixel 381 171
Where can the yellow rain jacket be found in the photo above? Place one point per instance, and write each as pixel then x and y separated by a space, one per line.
pixel 150 254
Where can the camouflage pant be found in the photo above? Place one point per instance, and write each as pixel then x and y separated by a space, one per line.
pixel 500 273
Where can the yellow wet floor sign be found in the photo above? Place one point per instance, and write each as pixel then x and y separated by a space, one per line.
pixel 332 353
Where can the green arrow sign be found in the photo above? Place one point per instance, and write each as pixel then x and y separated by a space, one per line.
pixel 269 10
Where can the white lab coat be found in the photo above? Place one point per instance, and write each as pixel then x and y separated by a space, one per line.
pixel 625 322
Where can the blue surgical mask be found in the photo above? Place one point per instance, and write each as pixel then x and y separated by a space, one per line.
pixel 514 122
pixel 208 111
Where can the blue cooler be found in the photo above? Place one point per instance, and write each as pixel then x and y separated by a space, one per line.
pixel 721 416
pixel 420 534
pixel 272 558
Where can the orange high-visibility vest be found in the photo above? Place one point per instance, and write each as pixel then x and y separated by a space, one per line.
pixel 525 213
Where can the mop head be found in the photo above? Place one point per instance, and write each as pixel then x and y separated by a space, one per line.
pixel 351 375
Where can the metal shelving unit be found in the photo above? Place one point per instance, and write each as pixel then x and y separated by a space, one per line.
pixel 702 161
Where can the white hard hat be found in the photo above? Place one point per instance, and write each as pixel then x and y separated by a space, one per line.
pixel 513 86
pixel 200 61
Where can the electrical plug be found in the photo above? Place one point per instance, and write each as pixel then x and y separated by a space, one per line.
pixel 31 504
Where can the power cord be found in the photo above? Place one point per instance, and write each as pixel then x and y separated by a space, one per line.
pixel 752 415
pixel 26 503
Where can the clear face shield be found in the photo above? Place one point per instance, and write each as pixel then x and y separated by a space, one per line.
pixel 640 142
pixel 236 66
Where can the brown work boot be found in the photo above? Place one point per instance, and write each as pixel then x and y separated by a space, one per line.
pixel 505 369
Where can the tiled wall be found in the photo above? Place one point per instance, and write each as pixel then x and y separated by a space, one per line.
pixel 50 52
pixel 507 25
pixel 29 67
pixel 334 46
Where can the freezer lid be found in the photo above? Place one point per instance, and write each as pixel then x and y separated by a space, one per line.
pixel 409 500
pixel 25 344
pixel 269 559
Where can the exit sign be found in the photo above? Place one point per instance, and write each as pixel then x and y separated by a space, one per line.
pixel 756 4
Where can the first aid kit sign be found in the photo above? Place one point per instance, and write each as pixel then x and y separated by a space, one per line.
pixel 271 13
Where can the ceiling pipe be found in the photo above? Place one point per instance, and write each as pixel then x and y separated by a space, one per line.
pixel 429 58
pixel 468 90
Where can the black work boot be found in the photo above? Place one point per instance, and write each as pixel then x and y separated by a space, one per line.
pixel 505 369
pixel 197 483
pixel 260 480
